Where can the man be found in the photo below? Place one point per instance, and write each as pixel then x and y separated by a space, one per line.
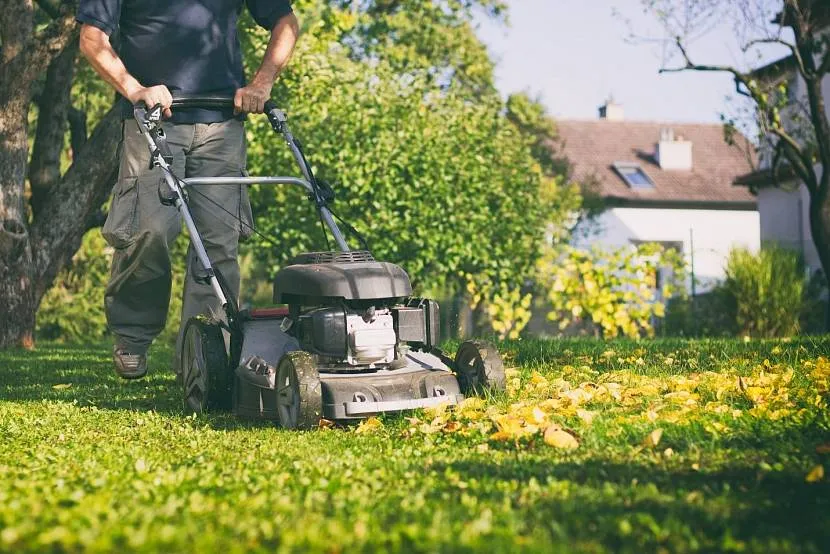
pixel 187 47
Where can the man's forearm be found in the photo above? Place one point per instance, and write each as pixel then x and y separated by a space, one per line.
pixel 95 46
pixel 280 46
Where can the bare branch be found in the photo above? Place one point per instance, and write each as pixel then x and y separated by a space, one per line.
pixel 691 66
pixel 792 48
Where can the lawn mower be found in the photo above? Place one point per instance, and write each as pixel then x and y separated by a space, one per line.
pixel 347 340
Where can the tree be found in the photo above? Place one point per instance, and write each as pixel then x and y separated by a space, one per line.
pixel 793 129
pixel 41 226
pixel 428 161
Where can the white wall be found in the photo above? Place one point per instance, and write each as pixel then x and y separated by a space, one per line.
pixel 785 219
pixel 714 233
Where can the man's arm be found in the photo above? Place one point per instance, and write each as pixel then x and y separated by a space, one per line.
pixel 252 97
pixel 95 46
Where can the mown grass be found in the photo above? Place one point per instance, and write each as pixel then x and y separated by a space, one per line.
pixel 91 463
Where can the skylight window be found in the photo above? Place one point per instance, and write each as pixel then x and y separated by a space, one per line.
pixel 634 176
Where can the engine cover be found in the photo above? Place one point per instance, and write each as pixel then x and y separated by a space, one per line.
pixel 313 279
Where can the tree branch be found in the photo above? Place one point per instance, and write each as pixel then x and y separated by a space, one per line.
pixel 690 66
pixel 53 106
pixel 792 48
pixel 52 40
pixel 84 187
pixel 799 161
pixel 51 7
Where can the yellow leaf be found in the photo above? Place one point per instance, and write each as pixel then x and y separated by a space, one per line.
pixel 538 415
pixel 653 438
pixel 369 425
pixel 500 436
pixel 556 437
pixel 586 415
pixel 816 474
pixel 62 386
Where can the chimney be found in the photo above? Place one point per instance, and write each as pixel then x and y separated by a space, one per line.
pixel 611 111
pixel 673 152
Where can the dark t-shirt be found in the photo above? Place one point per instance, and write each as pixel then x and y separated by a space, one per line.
pixel 190 46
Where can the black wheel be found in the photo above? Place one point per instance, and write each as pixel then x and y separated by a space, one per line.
pixel 205 374
pixel 299 393
pixel 479 368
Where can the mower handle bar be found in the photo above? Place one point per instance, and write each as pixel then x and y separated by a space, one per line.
pixel 209 101
pixel 276 118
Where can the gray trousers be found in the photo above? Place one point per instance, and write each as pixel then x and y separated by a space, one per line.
pixel 142 230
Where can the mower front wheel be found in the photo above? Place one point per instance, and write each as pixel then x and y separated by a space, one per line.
pixel 479 368
pixel 204 363
pixel 299 393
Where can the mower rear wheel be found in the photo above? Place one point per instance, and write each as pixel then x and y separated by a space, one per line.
pixel 204 363
pixel 479 368
pixel 299 393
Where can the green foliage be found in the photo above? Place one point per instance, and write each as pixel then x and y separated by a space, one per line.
pixel 437 177
pixel 93 464
pixel 73 309
pixel 613 291
pixel 764 291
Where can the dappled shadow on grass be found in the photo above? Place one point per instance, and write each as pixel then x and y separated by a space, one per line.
pixel 84 375
pixel 739 503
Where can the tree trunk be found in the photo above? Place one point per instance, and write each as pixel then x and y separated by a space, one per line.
pixel 16 288
pixel 34 246
pixel 820 229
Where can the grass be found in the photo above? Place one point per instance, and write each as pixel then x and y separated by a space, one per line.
pixel 683 446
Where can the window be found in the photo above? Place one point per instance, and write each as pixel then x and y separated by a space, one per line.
pixel 634 176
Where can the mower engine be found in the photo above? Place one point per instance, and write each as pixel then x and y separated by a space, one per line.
pixel 356 338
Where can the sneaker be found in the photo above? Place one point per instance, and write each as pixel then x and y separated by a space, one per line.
pixel 129 366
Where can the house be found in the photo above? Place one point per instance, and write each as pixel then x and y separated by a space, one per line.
pixel 670 183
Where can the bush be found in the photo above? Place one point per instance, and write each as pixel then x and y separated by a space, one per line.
pixel 765 293
pixel 612 291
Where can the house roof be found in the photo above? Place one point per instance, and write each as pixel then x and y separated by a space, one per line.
pixel 593 147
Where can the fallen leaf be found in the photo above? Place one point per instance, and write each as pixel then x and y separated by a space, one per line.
pixel 62 386
pixel 369 425
pixel 538 415
pixel 653 438
pixel 452 426
pixel 816 474
pixel 823 448
pixel 557 437
pixel 500 436
pixel 586 415
pixel 326 423
pixel 140 465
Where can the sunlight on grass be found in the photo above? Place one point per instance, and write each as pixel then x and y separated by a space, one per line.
pixel 680 446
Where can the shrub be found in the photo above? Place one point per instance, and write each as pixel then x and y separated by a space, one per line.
pixel 764 292
pixel 614 291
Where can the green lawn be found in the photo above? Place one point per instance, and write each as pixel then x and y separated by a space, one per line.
pixel 671 446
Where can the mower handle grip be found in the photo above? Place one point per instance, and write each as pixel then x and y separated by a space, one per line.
pixel 209 101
